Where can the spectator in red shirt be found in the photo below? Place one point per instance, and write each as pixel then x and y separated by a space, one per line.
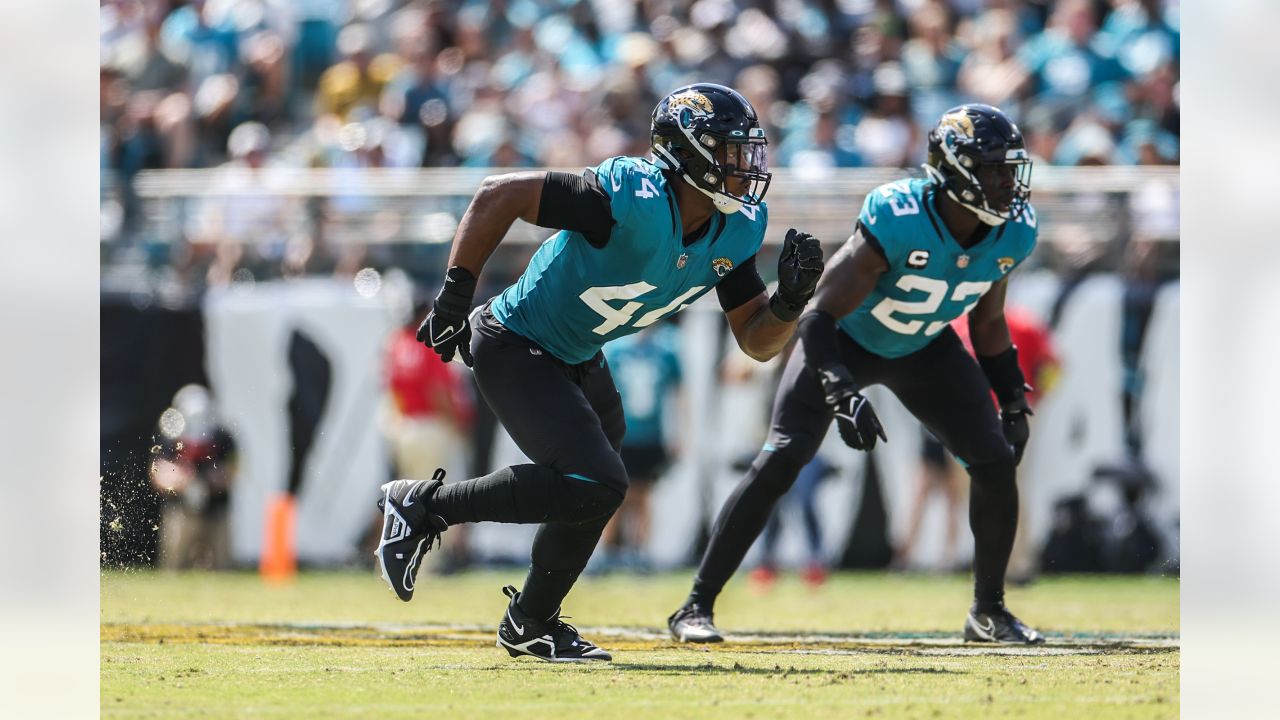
pixel 429 414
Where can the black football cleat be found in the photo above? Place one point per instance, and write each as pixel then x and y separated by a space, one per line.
pixel 408 531
pixel 552 640
pixel 693 624
pixel 999 627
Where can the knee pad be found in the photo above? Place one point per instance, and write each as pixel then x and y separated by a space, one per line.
pixel 998 476
pixel 589 500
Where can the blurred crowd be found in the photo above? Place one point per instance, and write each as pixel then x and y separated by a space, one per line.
pixel 843 83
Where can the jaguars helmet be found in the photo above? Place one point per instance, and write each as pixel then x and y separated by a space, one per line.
pixel 709 135
pixel 977 155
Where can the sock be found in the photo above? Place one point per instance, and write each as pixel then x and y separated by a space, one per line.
pixel 560 552
pixel 524 494
pixel 993 517
pixel 740 523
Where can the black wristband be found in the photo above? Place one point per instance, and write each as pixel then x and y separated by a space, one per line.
pixel 458 291
pixel 793 299
pixel 783 309
pixel 817 332
pixel 1005 376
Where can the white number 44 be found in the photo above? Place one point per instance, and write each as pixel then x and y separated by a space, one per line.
pixel 615 317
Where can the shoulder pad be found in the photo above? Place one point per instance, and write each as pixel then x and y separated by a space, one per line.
pixel 887 209
pixel 636 188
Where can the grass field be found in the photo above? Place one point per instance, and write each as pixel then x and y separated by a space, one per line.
pixel 341 645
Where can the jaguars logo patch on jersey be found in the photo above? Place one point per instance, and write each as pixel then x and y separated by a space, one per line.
pixel 722 266
pixel 931 279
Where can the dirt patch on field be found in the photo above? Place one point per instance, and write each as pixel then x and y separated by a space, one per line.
pixel 918 644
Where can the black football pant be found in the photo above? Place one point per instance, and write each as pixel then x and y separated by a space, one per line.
pixel 942 385
pixel 568 420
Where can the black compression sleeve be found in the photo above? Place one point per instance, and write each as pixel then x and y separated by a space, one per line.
pixel 740 285
pixel 1004 374
pixel 576 203
pixel 817 330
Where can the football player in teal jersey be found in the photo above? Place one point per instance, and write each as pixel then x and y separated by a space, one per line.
pixel 923 252
pixel 639 240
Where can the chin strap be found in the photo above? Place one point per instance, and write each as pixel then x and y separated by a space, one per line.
pixel 726 204
pixel 984 215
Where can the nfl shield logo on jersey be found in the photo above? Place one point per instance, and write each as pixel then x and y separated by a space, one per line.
pixel 962 261
pixel 722 266
pixel 680 261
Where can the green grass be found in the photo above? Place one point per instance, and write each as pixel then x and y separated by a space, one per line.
pixel 340 645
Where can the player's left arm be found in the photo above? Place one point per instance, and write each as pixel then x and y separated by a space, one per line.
pixel 988 328
pixel 762 324
pixel 998 357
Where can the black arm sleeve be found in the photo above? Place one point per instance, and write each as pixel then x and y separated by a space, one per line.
pixel 576 203
pixel 817 330
pixel 1004 374
pixel 740 285
pixel 871 240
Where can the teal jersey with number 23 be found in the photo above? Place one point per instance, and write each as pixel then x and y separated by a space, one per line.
pixel 573 298
pixel 931 279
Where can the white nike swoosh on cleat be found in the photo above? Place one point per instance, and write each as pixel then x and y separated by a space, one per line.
pixel 987 632
pixel 519 629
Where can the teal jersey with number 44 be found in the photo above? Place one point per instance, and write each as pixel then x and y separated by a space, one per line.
pixel 573 298
pixel 931 279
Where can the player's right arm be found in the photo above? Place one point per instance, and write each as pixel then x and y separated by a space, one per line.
pixel 547 199
pixel 851 276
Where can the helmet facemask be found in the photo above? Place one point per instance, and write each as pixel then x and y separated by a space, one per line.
pixel 993 182
pixel 723 153
pixel 731 171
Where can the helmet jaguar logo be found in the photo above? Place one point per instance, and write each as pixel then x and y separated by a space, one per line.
pixel 722 266
pixel 958 121
pixel 698 103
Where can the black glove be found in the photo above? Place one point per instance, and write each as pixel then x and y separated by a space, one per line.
pixel 1011 389
pixel 1013 420
pixel 799 267
pixel 855 418
pixel 447 328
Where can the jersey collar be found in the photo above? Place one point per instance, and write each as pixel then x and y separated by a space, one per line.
pixel 945 233
pixel 711 227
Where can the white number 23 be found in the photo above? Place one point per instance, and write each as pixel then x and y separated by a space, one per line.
pixel 935 291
